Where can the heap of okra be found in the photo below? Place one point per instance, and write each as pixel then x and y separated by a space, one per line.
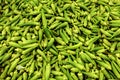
pixel 59 39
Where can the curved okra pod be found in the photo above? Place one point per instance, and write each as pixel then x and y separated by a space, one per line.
pixel 74 46
pixel 13 65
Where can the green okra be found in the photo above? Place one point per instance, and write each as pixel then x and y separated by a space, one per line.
pixel 29 23
pixel 57 73
pixel 13 44
pixel 15 75
pixel 20 77
pixel 3 50
pixel 115 70
pixel 104 64
pixel 32 68
pixel 44 21
pixel 6 57
pixel 30 45
pixel 92 40
pixel 47 32
pixel 4 73
pixel 47 71
pixel 77 65
pixel 42 54
pixel 61 25
pixel 113 46
pixel 63 36
pixel 50 43
pixel 53 51
pixel 28 50
pixel 60 41
pixel 74 46
pixel 90 74
pixel 36 76
pixel 24 76
pixel 13 65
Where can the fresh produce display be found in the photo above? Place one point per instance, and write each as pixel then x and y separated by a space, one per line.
pixel 59 39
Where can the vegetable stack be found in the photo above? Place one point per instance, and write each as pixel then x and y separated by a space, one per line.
pixel 59 39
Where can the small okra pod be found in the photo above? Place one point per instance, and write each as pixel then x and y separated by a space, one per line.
pixel 101 76
pixel 90 54
pixel 60 41
pixel 77 65
pixel 74 46
pixel 116 33
pixel 61 25
pixel 113 47
pixel 92 40
pixel 68 30
pixel 13 44
pixel 103 56
pixel 53 25
pixel 65 7
pixel 66 72
pixel 42 54
pixel 6 57
pixel 80 61
pixel 14 19
pixel 90 74
pixel 13 65
pixel 83 57
pixel 1 37
pixel 25 59
pixel 53 51
pixel 26 31
pixel 36 76
pixel 116 66
pixel 67 66
pixel 4 73
pixel 80 76
pixel 104 64
pixel 66 35
pixel 29 23
pixel 47 32
pixel 115 71
pixel 61 77
pixel 40 33
pixel 73 7
pixel 8 78
pixel 74 70
pixel 86 31
pixel 44 21
pixel 14 75
pixel 53 7
pixel 106 42
pixel 37 18
pixel 20 77
pixel 105 32
pixel 63 36
pixel 28 50
pixel 112 57
pixel 30 45
pixel 51 20
pixel 49 11
pixel 47 71
pixel 15 38
pixel 62 19
pixel 50 43
pixel 3 50
pixel 57 73
pixel 74 76
pixel 32 68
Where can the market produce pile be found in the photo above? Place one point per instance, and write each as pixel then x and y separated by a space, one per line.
pixel 59 39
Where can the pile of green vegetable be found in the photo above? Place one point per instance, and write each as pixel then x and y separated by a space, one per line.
pixel 59 39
